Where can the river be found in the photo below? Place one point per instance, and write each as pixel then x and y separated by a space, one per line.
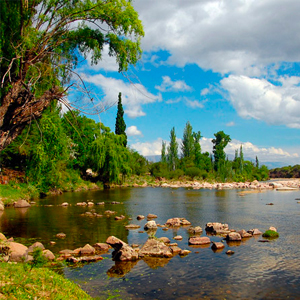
pixel 255 271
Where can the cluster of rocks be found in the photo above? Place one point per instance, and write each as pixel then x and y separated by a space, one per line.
pixel 11 251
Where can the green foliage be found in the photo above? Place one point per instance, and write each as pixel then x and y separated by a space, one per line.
pixel 219 143
pixel 138 163
pixel 159 170
pixel 120 126
pixel 193 172
pixel 39 259
pixel 270 234
pixel 173 151
pixel 164 152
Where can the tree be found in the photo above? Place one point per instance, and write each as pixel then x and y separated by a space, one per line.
pixel 163 152
pixel 219 143
pixel 120 123
pixel 187 146
pixel 41 42
pixel 173 151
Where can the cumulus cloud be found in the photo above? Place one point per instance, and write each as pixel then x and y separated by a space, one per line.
pixel 173 86
pixel 133 131
pixel 262 100
pixel 230 124
pixel 134 96
pixel 226 36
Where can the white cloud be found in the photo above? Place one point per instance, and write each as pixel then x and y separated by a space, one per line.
pixel 250 150
pixel 133 131
pixel 176 86
pixel 241 36
pixel 194 103
pixel 134 96
pixel 230 124
pixel 262 100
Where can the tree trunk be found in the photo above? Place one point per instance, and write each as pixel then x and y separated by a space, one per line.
pixel 19 107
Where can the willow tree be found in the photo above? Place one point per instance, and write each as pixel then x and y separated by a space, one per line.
pixel 41 42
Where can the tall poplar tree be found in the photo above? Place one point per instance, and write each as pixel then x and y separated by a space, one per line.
pixel 173 151
pixel 219 143
pixel 163 152
pixel 120 123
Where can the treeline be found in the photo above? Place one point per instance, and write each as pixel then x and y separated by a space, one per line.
pixel 194 163
pixel 56 150
pixel 285 172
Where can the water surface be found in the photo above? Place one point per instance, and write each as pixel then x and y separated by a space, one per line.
pixel 256 270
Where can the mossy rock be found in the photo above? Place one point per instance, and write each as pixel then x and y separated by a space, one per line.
pixel 271 234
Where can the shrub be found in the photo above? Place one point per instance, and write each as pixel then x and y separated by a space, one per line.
pixel 193 172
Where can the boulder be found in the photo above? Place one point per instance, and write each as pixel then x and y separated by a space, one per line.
pixel 61 235
pixel 17 252
pixel 118 218
pixel 35 246
pixel 233 236
pixel 122 251
pixel 244 234
pixel 150 225
pixel 273 229
pixel 65 204
pixel 184 252
pixel 164 240
pixel 196 240
pixel 177 237
pixel 155 248
pixel 255 231
pixel 21 204
pixel 217 245
pixel 185 222
pixel 175 249
pixel 48 254
pixel 229 252
pixel 195 230
pixel 87 250
pixel 2 237
pixel 174 222
pixel 151 216
pixel 140 217
pixel 216 227
pixel 101 247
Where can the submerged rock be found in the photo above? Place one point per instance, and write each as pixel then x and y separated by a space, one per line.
pixel 21 204
pixel 233 236
pixel 217 245
pixel 196 240
pixel 174 222
pixel 216 227
pixel 155 248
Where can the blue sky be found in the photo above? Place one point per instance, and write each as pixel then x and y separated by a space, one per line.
pixel 221 65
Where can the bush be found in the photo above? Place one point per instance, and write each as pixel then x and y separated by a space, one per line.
pixel 176 174
pixel 193 172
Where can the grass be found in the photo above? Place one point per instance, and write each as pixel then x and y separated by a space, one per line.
pixel 271 234
pixel 18 281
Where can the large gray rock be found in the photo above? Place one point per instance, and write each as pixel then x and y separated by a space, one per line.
pixel 17 252
pixel 197 240
pixel 255 231
pixel 155 248
pixel 87 250
pixel 48 254
pixel 21 204
pixel 122 251
pixel 244 234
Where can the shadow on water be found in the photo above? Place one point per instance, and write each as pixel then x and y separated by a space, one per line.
pixel 255 271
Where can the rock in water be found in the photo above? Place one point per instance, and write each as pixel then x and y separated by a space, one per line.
pixel 122 251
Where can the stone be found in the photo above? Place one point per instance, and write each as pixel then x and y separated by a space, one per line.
pixel 17 252
pixel 216 227
pixel 175 249
pixel 87 250
pixel 118 218
pixel 101 247
pixel 177 237
pixel 122 251
pixel 155 248
pixel 273 229
pixel 233 236
pixel 132 226
pixel 196 240
pixel 217 245
pixel 61 235
pixel 255 231
pixel 1 206
pixel 2 237
pixel 52 243
pixel 35 246
pixel 100 203
pixel 229 252
pixel 151 216
pixel 174 222
pixel 150 225
pixel 90 203
pixel 184 252
pixel 140 217
pixel 195 230
pixel 244 234
pixel 21 204
pixel 48 254
pixel 164 240
pixel 65 204
pixel 185 222
pixel 66 251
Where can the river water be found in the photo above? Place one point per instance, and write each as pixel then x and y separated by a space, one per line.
pixel 256 270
